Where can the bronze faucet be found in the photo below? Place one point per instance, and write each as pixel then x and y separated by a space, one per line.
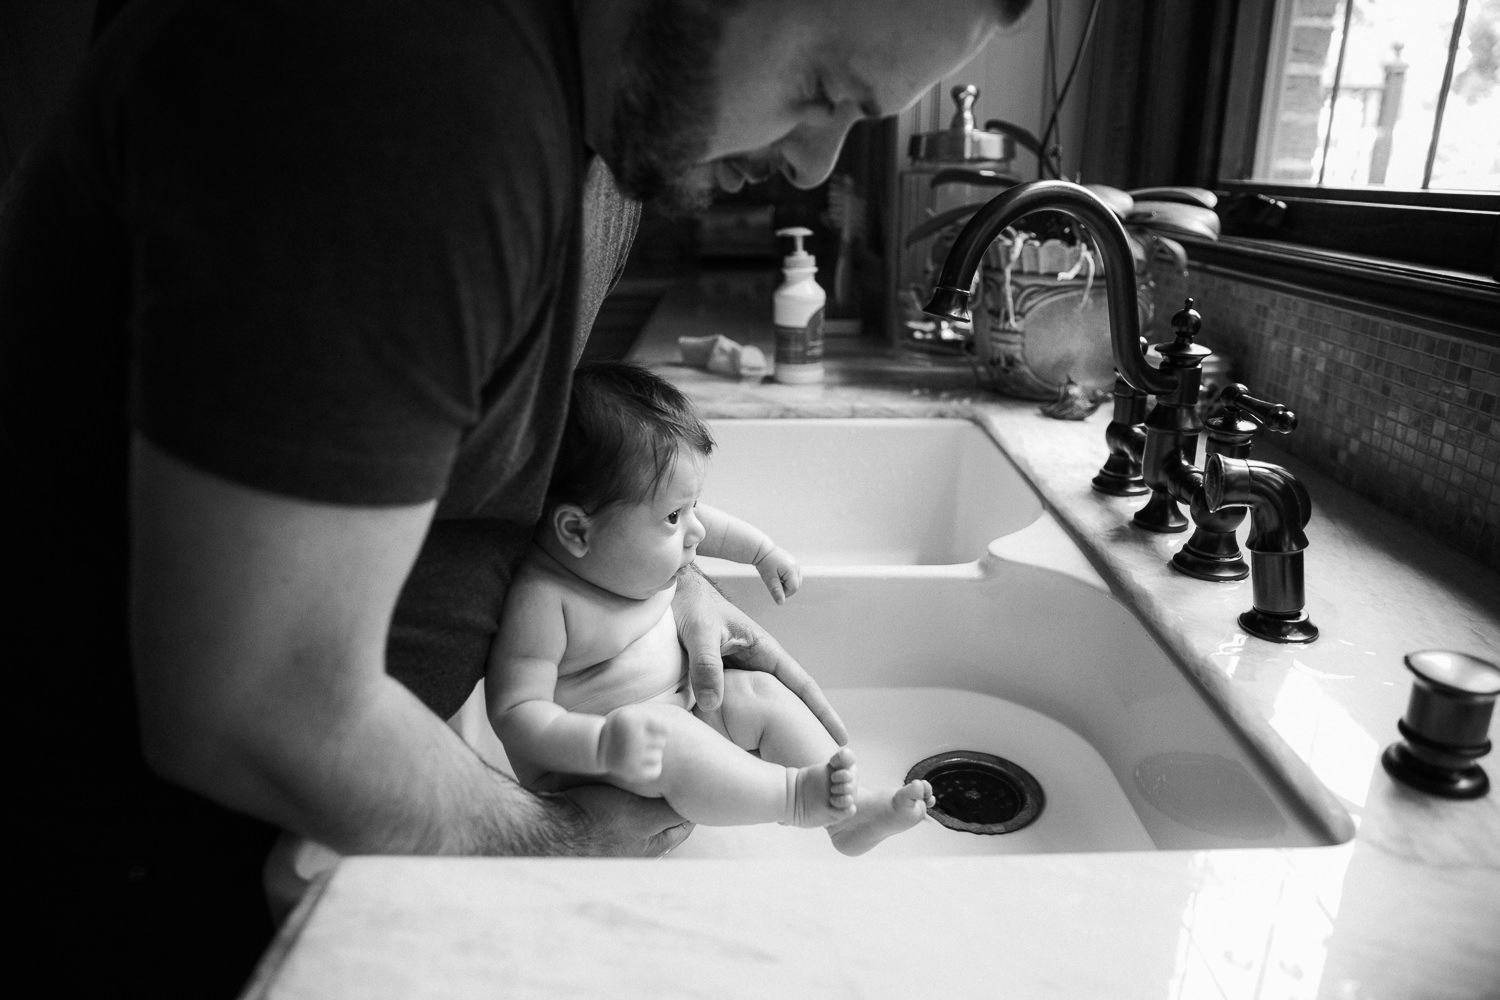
pixel 1157 451
pixel 1213 552
pixel 1279 509
pixel 950 296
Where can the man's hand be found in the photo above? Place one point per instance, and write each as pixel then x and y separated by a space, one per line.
pixel 712 629
pixel 633 743
pixel 623 825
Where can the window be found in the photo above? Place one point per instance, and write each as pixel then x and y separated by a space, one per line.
pixel 1382 94
pixel 1349 165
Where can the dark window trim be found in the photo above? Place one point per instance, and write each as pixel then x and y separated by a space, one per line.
pixel 1467 304
pixel 1440 230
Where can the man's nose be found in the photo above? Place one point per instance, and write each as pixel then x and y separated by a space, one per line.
pixel 809 153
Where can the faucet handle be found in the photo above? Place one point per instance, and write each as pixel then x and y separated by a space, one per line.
pixel 1272 416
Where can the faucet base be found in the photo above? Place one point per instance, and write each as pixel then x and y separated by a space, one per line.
pixel 1292 628
pixel 1216 567
pixel 1406 766
pixel 1120 484
pixel 1161 514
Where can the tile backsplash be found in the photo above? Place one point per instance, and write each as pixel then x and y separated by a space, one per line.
pixel 1402 412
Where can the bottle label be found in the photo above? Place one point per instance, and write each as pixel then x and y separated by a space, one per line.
pixel 800 345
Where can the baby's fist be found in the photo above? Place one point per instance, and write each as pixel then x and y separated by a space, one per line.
pixel 633 743
pixel 780 573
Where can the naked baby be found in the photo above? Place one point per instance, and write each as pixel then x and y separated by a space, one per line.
pixel 587 679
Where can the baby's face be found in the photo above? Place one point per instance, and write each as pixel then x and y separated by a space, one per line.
pixel 638 549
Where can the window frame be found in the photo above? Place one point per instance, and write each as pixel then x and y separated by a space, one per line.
pixel 1432 252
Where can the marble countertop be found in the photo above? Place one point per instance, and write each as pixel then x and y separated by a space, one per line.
pixel 1409 907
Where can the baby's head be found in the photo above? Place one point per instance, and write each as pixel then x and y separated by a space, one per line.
pixel 625 428
pixel 620 506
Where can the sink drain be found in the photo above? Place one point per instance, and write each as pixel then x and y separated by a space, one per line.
pixel 979 792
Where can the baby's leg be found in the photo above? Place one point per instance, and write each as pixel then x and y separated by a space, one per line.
pixel 711 781
pixel 760 713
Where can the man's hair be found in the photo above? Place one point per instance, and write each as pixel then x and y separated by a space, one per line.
pixel 624 427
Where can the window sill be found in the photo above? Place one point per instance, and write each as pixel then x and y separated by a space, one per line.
pixel 1465 300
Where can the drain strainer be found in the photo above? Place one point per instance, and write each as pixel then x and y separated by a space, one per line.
pixel 979 792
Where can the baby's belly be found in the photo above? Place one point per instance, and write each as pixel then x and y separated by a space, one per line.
pixel 653 668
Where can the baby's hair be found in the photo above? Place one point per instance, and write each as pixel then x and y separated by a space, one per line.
pixel 620 441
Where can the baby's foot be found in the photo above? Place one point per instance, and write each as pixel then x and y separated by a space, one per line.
pixel 822 794
pixel 879 817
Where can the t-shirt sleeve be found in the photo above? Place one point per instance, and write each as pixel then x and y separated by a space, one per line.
pixel 342 225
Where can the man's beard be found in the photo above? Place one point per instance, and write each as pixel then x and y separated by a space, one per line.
pixel 666 102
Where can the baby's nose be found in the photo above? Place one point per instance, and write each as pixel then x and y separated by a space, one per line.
pixel 695 530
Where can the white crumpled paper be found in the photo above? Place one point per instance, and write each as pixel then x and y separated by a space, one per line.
pixel 723 356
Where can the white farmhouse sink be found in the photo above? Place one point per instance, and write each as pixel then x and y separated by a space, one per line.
pixel 869 492
pixel 946 611
pixel 1039 668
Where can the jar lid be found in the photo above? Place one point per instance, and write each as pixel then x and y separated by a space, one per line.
pixel 961 142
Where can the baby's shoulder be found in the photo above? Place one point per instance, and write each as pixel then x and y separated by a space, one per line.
pixel 535 582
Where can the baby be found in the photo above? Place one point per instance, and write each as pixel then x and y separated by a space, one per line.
pixel 587 678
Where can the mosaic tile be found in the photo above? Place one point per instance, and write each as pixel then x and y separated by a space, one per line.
pixel 1402 414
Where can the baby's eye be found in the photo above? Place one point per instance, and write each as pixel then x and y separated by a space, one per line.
pixel 673 517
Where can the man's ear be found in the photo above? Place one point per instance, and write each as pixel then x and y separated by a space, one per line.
pixel 573 528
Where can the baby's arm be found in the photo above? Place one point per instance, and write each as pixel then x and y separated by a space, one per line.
pixel 729 537
pixel 520 685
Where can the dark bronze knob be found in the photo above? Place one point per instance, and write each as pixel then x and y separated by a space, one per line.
pixel 1446 725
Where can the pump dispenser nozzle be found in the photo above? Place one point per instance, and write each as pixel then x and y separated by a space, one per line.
pixel 798 257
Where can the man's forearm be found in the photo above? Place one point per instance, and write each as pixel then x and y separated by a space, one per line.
pixel 259 625
pixel 398 781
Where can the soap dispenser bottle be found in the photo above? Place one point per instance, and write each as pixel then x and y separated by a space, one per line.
pixel 797 311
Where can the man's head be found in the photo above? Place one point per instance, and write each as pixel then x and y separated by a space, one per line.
pixel 718 93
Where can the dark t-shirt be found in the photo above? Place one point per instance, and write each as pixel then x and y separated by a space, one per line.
pixel 326 249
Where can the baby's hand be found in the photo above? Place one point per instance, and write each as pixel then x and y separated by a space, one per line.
pixel 632 744
pixel 781 574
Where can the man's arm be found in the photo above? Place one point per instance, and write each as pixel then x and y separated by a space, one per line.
pixel 259 625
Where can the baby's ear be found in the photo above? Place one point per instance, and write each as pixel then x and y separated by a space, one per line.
pixel 571 526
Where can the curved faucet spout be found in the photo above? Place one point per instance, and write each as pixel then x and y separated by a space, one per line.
pixel 950 297
pixel 1279 505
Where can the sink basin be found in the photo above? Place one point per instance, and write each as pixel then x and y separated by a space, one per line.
pixel 1044 670
pixel 869 492
pixel 963 618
